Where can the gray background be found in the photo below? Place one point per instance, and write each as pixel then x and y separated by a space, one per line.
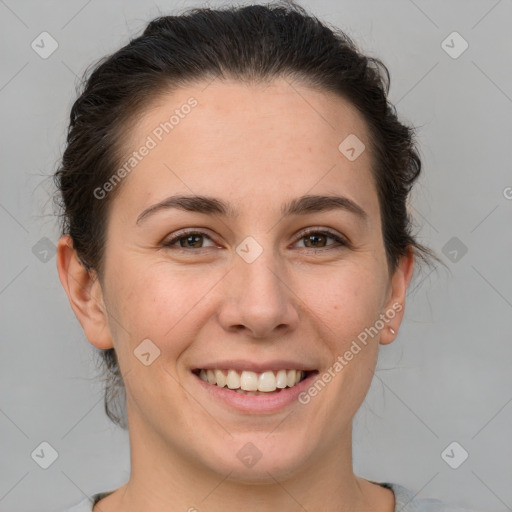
pixel 448 375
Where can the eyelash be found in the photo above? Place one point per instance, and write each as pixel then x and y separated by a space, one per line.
pixel 343 243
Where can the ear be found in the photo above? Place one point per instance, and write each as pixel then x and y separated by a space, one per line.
pixel 85 295
pixel 395 306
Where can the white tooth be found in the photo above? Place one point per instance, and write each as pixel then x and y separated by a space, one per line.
pixel 281 379
pixel 221 378
pixel 299 376
pixel 211 377
pixel 291 375
pixel 249 381
pixel 203 376
pixel 233 380
pixel 267 382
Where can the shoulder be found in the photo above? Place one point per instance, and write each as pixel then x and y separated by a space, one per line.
pixel 407 501
pixel 87 504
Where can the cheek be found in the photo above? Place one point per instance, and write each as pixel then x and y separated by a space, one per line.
pixel 345 301
pixel 163 305
pixel 160 303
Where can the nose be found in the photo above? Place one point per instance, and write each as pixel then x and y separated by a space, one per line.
pixel 258 300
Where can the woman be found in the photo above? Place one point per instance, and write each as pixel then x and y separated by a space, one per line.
pixel 236 243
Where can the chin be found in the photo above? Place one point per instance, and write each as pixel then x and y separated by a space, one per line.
pixel 257 458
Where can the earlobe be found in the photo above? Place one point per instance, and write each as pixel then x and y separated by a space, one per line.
pixel 84 293
pixel 395 306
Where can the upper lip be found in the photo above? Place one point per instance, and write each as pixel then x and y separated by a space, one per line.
pixel 241 365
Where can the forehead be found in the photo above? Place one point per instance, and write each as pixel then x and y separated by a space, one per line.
pixel 240 141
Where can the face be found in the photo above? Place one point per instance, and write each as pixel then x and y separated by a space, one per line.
pixel 256 283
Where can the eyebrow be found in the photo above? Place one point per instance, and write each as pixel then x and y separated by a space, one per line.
pixel 211 206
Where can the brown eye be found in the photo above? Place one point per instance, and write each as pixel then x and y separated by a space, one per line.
pixel 190 240
pixel 315 240
pixel 319 240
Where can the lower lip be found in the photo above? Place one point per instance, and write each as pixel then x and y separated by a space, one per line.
pixel 256 404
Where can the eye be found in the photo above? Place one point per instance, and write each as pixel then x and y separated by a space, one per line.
pixel 312 239
pixel 188 240
pixel 317 239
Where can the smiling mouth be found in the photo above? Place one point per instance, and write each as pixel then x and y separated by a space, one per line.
pixel 253 383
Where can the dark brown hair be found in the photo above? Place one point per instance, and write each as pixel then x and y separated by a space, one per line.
pixel 251 43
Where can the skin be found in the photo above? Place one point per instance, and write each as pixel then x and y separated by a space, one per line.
pixel 257 147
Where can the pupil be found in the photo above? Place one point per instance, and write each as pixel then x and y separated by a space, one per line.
pixel 315 238
pixel 189 240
